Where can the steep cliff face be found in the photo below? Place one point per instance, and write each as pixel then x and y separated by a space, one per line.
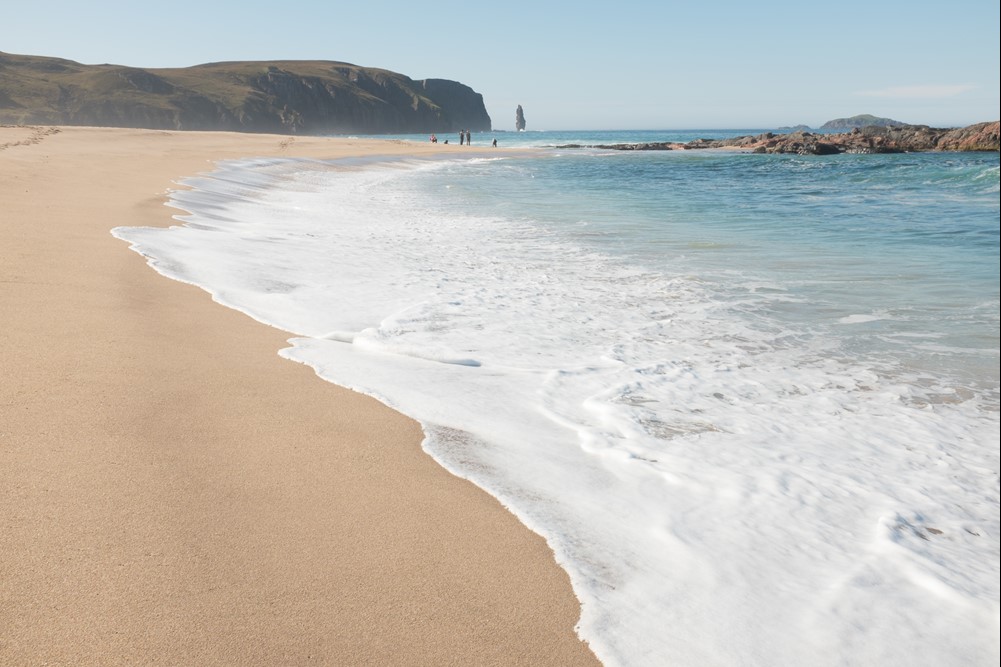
pixel 303 97
pixel 463 107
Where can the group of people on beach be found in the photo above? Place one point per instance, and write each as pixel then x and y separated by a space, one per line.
pixel 465 137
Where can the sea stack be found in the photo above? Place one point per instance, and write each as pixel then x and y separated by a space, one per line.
pixel 519 119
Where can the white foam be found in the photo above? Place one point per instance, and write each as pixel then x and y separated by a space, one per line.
pixel 863 318
pixel 721 491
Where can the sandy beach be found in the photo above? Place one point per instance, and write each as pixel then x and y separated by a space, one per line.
pixel 173 492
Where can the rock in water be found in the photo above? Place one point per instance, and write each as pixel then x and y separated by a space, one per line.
pixel 519 119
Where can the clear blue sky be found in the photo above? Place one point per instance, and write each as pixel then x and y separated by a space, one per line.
pixel 581 65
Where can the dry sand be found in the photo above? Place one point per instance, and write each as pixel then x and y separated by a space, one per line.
pixel 172 492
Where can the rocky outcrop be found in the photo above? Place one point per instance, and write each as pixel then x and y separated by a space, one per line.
pixel 870 139
pixel 519 119
pixel 648 146
pixel 290 97
pixel 979 137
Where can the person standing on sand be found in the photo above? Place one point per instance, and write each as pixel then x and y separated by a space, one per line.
pixel 462 137
pixel 469 138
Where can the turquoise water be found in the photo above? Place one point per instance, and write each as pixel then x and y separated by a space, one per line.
pixel 750 401
pixel 907 245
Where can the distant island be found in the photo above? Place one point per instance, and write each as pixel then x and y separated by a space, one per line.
pixel 284 97
pixel 861 120
pixel 845 124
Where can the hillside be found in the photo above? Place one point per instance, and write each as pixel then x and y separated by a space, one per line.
pixel 286 97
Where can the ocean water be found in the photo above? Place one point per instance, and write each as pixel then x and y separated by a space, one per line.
pixel 751 401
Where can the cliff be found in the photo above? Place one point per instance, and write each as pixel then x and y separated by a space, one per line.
pixel 286 97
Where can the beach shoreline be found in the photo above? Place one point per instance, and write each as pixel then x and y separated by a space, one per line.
pixel 176 492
